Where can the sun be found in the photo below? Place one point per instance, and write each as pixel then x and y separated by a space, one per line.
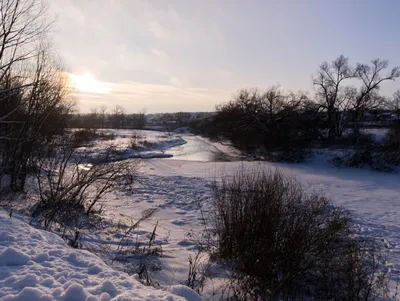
pixel 87 83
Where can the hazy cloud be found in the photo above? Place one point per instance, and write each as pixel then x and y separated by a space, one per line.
pixel 176 55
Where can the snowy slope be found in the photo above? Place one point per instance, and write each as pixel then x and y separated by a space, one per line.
pixel 373 197
pixel 38 265
pixel 179 188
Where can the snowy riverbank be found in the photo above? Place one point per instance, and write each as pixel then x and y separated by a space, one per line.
pixel 37 265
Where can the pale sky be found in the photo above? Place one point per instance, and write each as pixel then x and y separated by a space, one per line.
pixel 189 55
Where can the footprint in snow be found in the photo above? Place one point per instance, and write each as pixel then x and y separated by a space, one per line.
pixel 185 243
pixel 178 222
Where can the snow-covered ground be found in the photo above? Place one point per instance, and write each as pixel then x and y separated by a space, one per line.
pixel 378 134
pixel 181 190
pixel 374 198
pixel 37 265
pixel 148 144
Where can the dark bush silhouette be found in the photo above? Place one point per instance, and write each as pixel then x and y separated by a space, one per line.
pixel 383 157
pixel 282 243
pixel 271 124
pixel 70 183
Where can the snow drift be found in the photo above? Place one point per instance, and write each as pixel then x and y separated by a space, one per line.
pixel 37 265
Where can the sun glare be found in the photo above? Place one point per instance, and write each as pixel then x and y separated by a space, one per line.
pixel 87 83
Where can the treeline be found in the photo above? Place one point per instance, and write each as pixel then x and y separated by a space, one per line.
pixel 99 118
pixel 285 125
pixel 118 119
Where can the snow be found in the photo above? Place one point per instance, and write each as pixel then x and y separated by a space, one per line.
pixel 11 256
pixel 372 197
pixel 378 134
pixel 151 144
pixel 38 265
pixel 183 291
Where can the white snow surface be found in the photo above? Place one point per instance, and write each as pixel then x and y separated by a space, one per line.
pixel 182 192
pixel 151 144
pixel 372 197
pixel 36 265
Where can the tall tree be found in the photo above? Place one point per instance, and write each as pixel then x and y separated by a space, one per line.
pixel 368 97
pixel 333 94
pixel 395 104
pixel 102 112
pixel 33 87
pixel 118 117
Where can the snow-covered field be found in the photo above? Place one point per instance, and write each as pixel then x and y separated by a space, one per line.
pixel 149 144
pixel 374 198
pixel 37 265
pixel 181 190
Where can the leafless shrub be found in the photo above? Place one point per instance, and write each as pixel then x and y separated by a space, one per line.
pixel 34 89
pixel 135 141
pixel 144 276
pixel 138 141
pixel 84 135
pixel 106 135
pixel 199 267
pixel 127 241
pixel 148 143
pixel 282 243
pixel 378 157
pixel 139 257
pixel 392 145
pixel 69 186
pixel 137 136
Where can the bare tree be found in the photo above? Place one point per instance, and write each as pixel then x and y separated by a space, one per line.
pixel 71 181
pixel 345 103
pixel 273 101
pixel 23 23
pixel 94 118
pixel 42 103
pixel 334 97
pixel 394 104
pixel 102 112
pixel 32 86
pixel 118 117
pixel 367 97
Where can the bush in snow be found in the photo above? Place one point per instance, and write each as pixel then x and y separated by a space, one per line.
pixel 378 157
pixel 392 145
pixel 282 243
pixel 70 183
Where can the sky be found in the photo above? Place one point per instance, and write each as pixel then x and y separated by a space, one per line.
pixel 189 55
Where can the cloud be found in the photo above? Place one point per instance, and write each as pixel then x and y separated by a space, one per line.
pixel 86 83
pixel 157 30
pixel 141 53
pixel 134 96
pixel 175 81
